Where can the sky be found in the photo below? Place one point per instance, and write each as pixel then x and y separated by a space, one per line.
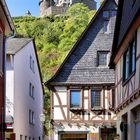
pixel 19 7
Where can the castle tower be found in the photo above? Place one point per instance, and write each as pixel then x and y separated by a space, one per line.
pixel 44 4
pixel 48 7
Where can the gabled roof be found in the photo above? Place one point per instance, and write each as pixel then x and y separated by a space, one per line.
pixel 127 13
pixel 16 44
pixel 6 17
pixel 77 43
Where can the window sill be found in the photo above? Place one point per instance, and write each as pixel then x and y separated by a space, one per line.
pixel 76 109
pixel 128 79
pixel 97 109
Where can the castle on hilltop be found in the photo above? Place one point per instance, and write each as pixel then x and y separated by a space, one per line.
pixel 59 7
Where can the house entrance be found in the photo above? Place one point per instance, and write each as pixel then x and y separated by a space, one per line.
pixel 73 136
pixel 108 133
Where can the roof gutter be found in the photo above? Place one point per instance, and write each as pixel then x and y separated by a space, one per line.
pixel 8 16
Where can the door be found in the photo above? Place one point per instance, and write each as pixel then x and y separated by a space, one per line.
pixel 73 136
pixel 108 133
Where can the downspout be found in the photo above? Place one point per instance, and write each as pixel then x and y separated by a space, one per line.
pixel 4 113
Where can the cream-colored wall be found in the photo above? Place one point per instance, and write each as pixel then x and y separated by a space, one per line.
pixel 23 75
pixel 78 123
pixel 63 95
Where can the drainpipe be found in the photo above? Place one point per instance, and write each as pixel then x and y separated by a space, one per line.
pixel 3 116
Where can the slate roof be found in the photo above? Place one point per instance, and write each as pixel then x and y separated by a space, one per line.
pixel 80 66
pixel 16 44
pixel 127 13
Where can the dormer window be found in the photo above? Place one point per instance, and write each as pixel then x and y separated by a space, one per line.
pixel 106 14
pixel 106 27
pixel 113 13
pixel 103 58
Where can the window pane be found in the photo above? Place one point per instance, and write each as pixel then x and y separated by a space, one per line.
pixel 75 99
pixel 30 89
pixel 106 14
pixel 133 57
pixel 95 99
pixel 106 26
pixel 127 65
pixel 102 60
pixel 113 13
pixel 30 62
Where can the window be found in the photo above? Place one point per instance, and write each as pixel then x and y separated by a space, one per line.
pixel 75 96
pixel 32 64
pixel 113 13
pixel 31 90
pixel 106 14
pixel 25 137
pixel 20 137
pixel 129 60
pixel 106 27
pixel 102 58
pixel 1 52
pixel 31 117
pixel 95 98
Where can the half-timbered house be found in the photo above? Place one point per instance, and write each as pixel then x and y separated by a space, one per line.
pixel 126 61
pixel 6 28
pixel 82 90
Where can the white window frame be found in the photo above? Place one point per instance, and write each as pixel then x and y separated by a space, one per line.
pixel 32 63
pixel 31 90
pixel 31 117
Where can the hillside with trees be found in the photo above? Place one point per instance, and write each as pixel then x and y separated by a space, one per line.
pixel 54 37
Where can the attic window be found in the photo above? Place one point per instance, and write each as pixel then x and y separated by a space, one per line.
pixel 102 58
pixel 106 14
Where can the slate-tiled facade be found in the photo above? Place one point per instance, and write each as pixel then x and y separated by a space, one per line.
pixel 81 67
pixel 130 11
